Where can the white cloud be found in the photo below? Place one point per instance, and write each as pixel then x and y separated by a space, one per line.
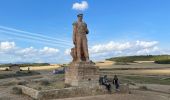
pixel 11 53
pixel 119 47
pixel 80 6
pixel 112 48
pixel 153 50
pixel 67 51
pixel 27 50
pixel 47 50
pixel 145 44
pixel 6 45
pixel 100 48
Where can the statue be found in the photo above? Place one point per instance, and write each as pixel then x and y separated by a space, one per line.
pixel 80 51
pixel 81 72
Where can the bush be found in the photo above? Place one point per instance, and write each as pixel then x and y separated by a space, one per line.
pixel 39 88
pixel 143 88
pixel 16 90
pixel 22 83
pixel 139 58
pixel 67 85
pixel 18 74
pixel 44 82
pixel 163 61
pixel 5 98
pixel 6 69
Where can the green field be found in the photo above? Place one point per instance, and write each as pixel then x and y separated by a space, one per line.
pixel 141 58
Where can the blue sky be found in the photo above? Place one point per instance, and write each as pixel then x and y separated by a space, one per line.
pixel 41 30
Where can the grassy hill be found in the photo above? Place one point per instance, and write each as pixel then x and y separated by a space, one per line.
pixel 157 58
pixel 26 64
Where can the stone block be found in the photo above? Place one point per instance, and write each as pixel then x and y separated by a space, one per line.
pixel 82 74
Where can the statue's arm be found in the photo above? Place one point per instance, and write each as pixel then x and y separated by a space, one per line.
pixel 87 30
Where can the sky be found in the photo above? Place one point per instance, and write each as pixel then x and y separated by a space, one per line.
pixel 41 30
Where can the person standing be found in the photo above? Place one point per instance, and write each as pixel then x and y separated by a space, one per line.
pixel 116 82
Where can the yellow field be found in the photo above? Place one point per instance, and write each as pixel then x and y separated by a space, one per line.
pixel 38 67
pixel 141 72
pixel 155 69
pixel 104 64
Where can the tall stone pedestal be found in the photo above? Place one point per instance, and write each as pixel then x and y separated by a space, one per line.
pixel 82 74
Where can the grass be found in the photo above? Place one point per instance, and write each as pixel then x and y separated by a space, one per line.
pixel 16 90
pixel 18 74
pixel 145 80
pixel 130 59
pixel 53 82
pixel 49 86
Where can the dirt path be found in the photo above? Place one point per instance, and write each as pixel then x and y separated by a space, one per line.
pixel 6 95
pixel 156 87
pixel 136 95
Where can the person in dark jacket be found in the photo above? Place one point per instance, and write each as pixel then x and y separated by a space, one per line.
pixel 116 82
pixel 106 83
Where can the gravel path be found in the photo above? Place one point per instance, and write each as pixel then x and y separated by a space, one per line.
pixel 6 95
pixel 157 87
pixel 136 95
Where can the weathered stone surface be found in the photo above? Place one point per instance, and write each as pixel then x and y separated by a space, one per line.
pixel 14 67
pixel 63 93
pixel 80 50
pixel 82 74
pixel 29 91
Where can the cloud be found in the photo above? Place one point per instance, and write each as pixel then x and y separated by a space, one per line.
pixel 154 50
pixel 6 45
pixel 145 44
pixel 32 52
pixel 119 47
pixel 11 53
pixel 100 48
pixel 47 50
pixel 67 51
pixel 80 6
pixel 111 49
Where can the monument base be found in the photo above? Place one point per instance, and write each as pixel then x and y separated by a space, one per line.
pixel 82 74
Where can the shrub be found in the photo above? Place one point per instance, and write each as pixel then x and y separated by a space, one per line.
pixel 67 85
pixel 6 69
pixel 22 83
pixel 163 61
pixel 39 88
pixel 16 90
pixel 44 82
pixel 5 98
pixel 143 88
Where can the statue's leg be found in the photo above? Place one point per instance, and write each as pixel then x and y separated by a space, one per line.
pixel 85 48
pixel 78 42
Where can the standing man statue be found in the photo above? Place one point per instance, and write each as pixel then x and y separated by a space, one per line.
pixel 80 50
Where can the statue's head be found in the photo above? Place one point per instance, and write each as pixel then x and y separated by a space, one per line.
pixel 80 17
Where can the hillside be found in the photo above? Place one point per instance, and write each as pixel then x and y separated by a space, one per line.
pixel 140 58
pixel 26 64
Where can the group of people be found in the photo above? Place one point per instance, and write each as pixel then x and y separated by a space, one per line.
pixel 104 81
